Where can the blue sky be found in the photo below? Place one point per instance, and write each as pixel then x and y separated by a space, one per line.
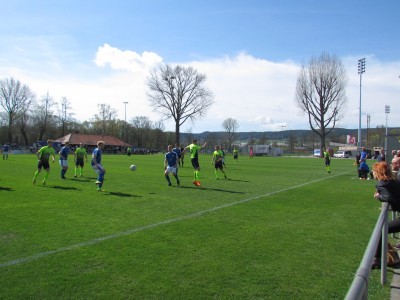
pixel 100 52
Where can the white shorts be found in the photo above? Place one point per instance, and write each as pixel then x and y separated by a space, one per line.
pixel 98 168
pixel 63 163
pixel 170 170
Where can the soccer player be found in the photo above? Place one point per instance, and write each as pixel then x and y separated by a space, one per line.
pixel 178 152
pixel 79 158
pixel 251 152
pixel 64 159
pixel 171 165
pixel 44 155
pixel 327 160
pixel 217 161
pixel 223 157
pixel 6 148
pixel 236 154
pixel 97 166
pixel 181 161
pixel 194 156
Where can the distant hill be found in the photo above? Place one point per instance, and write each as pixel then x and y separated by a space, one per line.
pixel 277 135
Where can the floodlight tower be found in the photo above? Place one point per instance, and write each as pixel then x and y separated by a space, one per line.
pixel 361 70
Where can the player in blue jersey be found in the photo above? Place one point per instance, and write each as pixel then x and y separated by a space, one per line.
pixel 171 165
pixel 64 159
pixel 6 148
pixel 178 152
pixel 97 166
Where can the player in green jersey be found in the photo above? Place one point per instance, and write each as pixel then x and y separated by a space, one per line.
pixel 44 155
pixel 194 156
pixel 217 160
pixel 236 154
pixel 79 159
pixel 327 159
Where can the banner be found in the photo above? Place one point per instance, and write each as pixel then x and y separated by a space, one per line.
pixel 351 140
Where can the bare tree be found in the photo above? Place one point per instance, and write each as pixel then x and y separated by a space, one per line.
pixel 141 127
pixel 64 114
pixel 158 135
pixel 179 93
pixel 15 99
pixel 43 115
pixel 105 121
pixel 320 92
pixel 231 126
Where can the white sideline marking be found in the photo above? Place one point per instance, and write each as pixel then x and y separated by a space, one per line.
pixel 129 232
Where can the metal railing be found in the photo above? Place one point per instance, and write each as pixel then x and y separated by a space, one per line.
pixel 359 287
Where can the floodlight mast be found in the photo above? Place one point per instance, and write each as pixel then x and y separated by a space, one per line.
pixel 361 70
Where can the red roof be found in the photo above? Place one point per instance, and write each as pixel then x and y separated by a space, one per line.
pixel 90 139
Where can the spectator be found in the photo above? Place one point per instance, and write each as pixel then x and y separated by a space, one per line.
pixel 381 156
pixel 387 190
pixel 396 167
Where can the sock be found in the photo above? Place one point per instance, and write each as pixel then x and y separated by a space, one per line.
pixel 215 172
pixel 196 175
pixel 35 175
pixel 167 177
pixel 46 175
pixel 76 169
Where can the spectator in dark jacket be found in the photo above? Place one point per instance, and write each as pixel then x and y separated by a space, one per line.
pixel 387 190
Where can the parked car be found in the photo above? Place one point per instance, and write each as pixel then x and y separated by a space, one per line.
pixel 342 154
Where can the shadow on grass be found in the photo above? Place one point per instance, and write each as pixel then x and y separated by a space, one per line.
pixel 58 187
pixel 238 180
pixel 211 189
pixel 82 179
pixel 5 189
pixel 118 194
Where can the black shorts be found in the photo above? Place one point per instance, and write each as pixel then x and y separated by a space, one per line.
pixel 195 163
pixel 235 156
pixel 79 162
pixel 218 165
pixel 43 164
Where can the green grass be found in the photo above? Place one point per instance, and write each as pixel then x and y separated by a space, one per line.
pixel 278 228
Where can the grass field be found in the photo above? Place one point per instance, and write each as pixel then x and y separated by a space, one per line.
pixel 278 228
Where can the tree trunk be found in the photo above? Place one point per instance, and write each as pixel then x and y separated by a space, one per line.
pixel 177 133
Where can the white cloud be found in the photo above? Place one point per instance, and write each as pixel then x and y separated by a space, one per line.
pixel 126 60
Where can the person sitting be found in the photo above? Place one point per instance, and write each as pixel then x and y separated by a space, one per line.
pixel 387 190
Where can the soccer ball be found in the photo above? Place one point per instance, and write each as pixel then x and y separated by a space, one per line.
pixel 133 168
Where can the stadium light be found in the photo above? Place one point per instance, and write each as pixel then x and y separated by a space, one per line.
pixel 282 126
pixel 387 111
pixel 361 70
